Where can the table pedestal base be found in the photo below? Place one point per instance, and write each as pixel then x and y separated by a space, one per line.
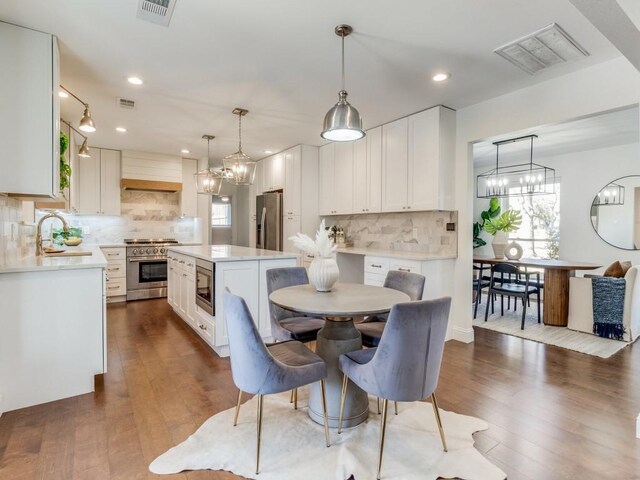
pixel 338 336
pixel 556 297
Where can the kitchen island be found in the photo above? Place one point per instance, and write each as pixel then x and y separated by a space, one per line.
pixel 52 327
pixel 198 276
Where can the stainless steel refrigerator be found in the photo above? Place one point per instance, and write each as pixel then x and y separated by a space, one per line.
pixel 269 221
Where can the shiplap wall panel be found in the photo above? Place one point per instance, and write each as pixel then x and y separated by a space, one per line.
pixel 151 166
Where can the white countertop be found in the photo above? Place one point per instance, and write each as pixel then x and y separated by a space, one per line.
pixel 419 256
pixel 230 253
pixel 31 263
pixel 122 244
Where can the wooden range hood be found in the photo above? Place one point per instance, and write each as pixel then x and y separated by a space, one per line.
pixel 150 185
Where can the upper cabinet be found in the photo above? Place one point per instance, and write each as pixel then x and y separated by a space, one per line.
pixel 417 161
pixel 336 178
pixel 292 183
pixel 188 194
pixel 273 172
pixel 367 175
pixel 97 190
pixel 30 119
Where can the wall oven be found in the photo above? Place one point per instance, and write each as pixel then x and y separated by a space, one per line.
pixel 206 286
pixel 147 268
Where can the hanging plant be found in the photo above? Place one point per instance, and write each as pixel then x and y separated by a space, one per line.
pixel 65 168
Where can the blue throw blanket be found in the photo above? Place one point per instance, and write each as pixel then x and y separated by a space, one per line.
pixel 608 307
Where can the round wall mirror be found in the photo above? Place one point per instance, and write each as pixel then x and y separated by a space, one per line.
pixel 615 213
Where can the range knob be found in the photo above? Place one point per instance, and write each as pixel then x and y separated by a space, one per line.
pixel 135 251
pixel 155 250
pixel 148 250
pixel 162 250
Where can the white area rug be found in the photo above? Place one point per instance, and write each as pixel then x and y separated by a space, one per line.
pixel 293 445
pixel 539 332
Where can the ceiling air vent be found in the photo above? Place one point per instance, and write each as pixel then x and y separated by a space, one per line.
pixel 156 11
pixel 126 103
pixel 542 49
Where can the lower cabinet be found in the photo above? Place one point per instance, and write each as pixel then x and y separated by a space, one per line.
pixel 438 273
pixel 116 274
pixel 244 278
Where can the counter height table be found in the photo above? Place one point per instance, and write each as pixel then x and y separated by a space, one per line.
pixel 556 283
pixel 338 336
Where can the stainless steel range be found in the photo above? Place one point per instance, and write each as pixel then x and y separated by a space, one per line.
pixel 147 267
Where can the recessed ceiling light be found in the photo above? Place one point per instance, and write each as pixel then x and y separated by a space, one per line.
pixel 268 151
pixel 63 94
pixel 441 77
pixel 121 129
pixel 134 80
pixel 184 150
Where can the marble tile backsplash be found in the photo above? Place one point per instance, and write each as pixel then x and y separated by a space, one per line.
pixel 407 232
pixel 143 215
pixel 16 238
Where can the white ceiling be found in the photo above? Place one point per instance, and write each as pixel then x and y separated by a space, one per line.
pixel 280 59
pixel 619 127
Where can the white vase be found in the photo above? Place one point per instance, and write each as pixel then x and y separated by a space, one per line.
pixel 323 273
pixel 499 243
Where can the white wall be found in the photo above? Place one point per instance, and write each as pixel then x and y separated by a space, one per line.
pixel 602 87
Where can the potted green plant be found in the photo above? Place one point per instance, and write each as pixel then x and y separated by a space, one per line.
pixel 499 227
pixel 65 168
pixel 492 212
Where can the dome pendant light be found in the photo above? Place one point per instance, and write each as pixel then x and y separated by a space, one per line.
pixel 343 122
pixel 84 150
pixel 239 168
pixel 86 122
pixel 208 181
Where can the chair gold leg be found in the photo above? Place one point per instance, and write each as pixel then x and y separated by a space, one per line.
pixel 345 381
pixel 291 398
pixel 260 398
pixel 295 398
pixel 235 418
pixel 434 404
pixel 378 401
pixel 324 412
pixel 383 428
pixel 395 407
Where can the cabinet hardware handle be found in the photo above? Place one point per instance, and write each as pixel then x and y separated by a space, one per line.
pixel 376 266
pixel 408 208
pixel 404 269
pixel 184 274
pixel 181 261
pixel 114 268
pixel 189 264
pixel 112 287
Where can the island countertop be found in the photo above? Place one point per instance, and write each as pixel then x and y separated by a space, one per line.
pixel 31 263
pixel 230 253
pixel 419 256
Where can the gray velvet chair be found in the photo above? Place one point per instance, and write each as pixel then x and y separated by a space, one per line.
pixel 262 370
pixel 406 364
pixel 410 283
pixel 287 325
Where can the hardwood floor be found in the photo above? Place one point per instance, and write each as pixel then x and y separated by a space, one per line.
pixel 553 413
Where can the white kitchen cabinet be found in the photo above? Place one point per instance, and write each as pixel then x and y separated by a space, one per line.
pixel 30 123
pixel 189 194
pixel 367 174
pixel 438 273
pixel 109 182
pixel 395 165
pixel 417 159
pixel 273 174
pixel 293 181
pixel 98 186
pixel 116 274
pixel 336 178
pixel 325 177
pixel 291 224
pixel 244 278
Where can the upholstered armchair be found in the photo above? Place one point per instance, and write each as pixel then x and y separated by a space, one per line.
pixel 581 304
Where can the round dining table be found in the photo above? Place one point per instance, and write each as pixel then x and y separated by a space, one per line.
pixel 338 335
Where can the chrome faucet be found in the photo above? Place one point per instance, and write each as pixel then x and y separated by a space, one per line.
pixel 65 227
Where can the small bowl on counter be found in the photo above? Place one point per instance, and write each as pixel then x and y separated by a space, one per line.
pixel 72 242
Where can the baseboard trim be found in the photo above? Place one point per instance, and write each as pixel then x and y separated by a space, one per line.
pixel 464 335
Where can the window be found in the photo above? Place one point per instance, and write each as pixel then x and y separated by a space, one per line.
pixel 539 234
pixel 221 211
